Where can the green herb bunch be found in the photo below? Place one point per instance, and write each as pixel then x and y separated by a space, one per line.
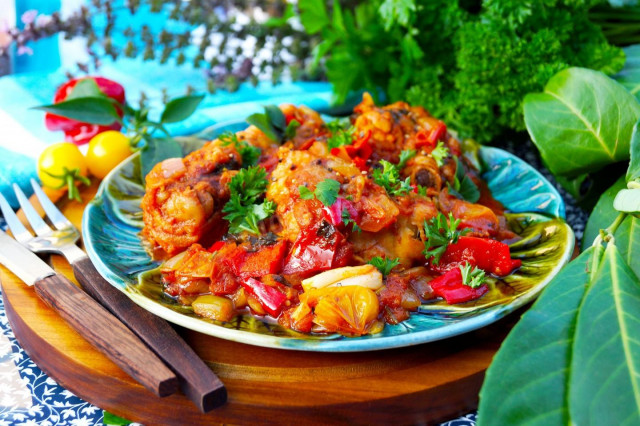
pixel 469 63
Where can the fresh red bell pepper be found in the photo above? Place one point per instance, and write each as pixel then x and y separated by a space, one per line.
pixel 453 290
pixel 269 297
pixel 317 249
pixel 489 255
pixel 76 131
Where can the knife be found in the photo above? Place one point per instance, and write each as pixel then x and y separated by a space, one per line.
pixel 197 381
pixel 93 322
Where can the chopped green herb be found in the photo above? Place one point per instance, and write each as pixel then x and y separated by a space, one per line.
pixel 405 156
pixel 290 131
pixel 439 153
pixel 389 179
pixel 305 193
pixel 422 190
pixel 384 265
pixel 326 192
pixel 347 219
pixel 250 154
pixel 338 124
pixel 341 137
pixel 472 276
pixel 439 234
pixel 244 211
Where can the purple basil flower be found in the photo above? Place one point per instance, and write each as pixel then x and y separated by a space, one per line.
pixel 29 16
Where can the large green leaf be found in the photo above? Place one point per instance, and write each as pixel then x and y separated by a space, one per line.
pixel 91 110
pixel 583 112
pixel 181 108
pixel 628 242
pixel 604 386
pixel 633 172
pixel 603 213
pixel 527 380
pixel 313 15
pixel 629 77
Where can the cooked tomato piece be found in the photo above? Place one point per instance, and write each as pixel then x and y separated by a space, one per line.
pixel 349 310
pixel 489 255
pixel 317 249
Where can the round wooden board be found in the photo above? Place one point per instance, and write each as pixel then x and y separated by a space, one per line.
pixel 420 384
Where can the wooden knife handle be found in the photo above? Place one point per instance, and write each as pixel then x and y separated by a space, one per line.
pixel 197 380
pixel 106 333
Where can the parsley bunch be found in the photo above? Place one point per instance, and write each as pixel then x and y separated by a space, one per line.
pixel 244 211
pixel 439 234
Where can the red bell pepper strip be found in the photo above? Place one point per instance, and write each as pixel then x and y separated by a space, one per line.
pixel 266 260
pixel 430 138
pixel 453 290
pixel 249 264
pixel 269 297
pixel 76 131
pixel 489 255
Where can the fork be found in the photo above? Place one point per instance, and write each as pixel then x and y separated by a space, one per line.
pixel 197 380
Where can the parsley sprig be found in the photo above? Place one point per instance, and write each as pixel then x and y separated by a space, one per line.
pixel 389 178
pixel 439 234
pixel 384 265
pixel 405 156
pixel 472 276
pixel 326 192
pixel 250 154
pixel 439 153
pixel 244 211
pixel 341 137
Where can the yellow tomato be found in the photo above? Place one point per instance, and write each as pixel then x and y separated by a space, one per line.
pixel 62 164
pixel 55 159
pixel 107 150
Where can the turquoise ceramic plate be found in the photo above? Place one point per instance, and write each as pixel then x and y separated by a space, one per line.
pixel 113 220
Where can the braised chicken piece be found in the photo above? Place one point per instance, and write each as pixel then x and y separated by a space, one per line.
pixel 184 197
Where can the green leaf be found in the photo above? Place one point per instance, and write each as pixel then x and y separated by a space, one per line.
pixel 271 122
pixel 86 110
pixel 633 172
pixel 603 214
pixel 158 150
pixel 313 15
pixel 604 385
pixel 527 380
pixel 179 109
pixel 290 131
pixel 469 190
pixel 627 238
pixel 111 419
pixel 86 88
pixel 585 113
pixel 384 265
pixel 397 12
pixel 305 193
pixel 327 191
